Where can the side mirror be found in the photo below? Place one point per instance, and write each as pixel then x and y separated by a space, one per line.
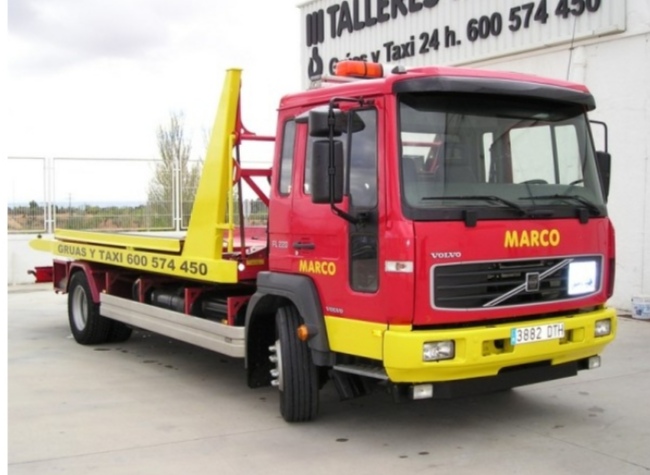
pixel 319 125
pixel 322 190
pixel 604 165
pixel 318 120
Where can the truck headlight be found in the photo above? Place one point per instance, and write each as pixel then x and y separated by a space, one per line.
pixel 582 277
pixel 603 327
pixel 438 350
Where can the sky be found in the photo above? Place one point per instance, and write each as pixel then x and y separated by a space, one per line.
pixel 95 78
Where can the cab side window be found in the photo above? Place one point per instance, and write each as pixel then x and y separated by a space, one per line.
pixel 286 157
pixel 363 162
pixel 362 186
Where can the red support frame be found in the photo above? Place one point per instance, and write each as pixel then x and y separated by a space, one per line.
pixel 247 175
pixel 243 134
pixel 234 304
pixel 191 294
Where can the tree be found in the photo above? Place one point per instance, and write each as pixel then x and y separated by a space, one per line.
pixel 174 177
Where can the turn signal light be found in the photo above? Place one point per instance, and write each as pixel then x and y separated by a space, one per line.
pixel 303 333
pixel 359 69
pixel 306 332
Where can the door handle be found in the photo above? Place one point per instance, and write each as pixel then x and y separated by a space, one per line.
pixel 304 245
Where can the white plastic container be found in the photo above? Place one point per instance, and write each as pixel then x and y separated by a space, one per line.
pixel 641 307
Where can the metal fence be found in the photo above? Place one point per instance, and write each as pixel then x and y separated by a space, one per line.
pixel 105 194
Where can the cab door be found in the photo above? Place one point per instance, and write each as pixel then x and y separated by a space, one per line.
pixel 280 205
pixel 317 241
pixel 343 258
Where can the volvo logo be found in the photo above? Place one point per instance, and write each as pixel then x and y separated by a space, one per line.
pixel 446 255
pixel 532 281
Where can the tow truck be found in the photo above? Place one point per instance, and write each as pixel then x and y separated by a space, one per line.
pixel 434 231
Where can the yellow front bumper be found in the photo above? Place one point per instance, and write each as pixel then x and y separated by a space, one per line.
pixel 485 350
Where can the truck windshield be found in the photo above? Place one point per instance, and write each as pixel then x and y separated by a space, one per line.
pixel 530 157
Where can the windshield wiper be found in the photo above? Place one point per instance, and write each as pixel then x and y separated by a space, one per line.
pixel 491 198
pixel 591 207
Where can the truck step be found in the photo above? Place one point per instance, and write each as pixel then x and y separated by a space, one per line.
pixel 366 370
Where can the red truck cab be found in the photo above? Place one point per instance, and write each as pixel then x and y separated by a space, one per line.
pixel 453 223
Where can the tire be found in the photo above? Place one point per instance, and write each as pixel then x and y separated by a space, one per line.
pixel 119 332
pixel 297 376
pixel 87 325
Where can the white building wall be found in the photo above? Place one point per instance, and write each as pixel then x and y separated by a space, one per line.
pixel 618 72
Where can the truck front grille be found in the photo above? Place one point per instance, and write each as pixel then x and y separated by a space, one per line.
pixel 498 284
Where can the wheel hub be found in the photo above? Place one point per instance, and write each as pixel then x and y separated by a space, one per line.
pixel 80 307
pixel 276 358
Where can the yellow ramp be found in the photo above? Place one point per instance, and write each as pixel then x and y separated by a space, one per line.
pixel 200 255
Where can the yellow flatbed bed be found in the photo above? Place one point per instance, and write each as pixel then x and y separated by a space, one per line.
pixel 129 240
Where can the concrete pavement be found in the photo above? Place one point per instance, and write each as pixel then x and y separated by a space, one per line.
pixel 151 405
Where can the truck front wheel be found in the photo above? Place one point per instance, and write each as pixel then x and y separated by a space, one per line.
pixel 295 375
pixel 87 325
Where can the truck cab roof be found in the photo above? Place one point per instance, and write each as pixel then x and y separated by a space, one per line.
pixel 447 79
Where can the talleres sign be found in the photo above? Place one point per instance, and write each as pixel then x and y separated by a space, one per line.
pixel 428 32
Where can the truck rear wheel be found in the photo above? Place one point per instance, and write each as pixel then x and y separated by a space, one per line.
pixel 87 325
pixel 119 332
pixel 296 375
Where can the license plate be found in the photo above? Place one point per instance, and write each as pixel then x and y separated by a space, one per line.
pixel 552 331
